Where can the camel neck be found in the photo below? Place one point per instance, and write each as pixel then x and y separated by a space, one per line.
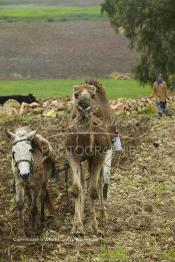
pixel 84 121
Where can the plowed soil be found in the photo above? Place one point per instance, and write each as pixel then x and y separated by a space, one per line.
pixel 141 207
pixel 51 2
pixel 62 50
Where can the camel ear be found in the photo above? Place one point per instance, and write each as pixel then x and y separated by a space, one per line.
pixel 31 135
pixel 75 88
pixel 9 134
pixel 94 90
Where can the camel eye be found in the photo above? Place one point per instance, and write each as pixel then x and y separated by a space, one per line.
pixel 76 95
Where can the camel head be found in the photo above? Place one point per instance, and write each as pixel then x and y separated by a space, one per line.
pixel 97 84
pixel 84 95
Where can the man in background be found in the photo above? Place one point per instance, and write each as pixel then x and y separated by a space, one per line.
pixel 160 92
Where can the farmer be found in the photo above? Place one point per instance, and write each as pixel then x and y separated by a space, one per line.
pixel 107 165
pixel 160 92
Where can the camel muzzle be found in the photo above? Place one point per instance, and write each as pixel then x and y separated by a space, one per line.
pixel 84 103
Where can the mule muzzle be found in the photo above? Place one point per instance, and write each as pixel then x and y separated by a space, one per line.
pixel 25 177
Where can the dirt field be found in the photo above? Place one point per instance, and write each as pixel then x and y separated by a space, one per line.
pixel 51 2
pixel 62 50
pixel 141 223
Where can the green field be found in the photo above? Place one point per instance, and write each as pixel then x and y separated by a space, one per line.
pixel 50 14
pixel 58 88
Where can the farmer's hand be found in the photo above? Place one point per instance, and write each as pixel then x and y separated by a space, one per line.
pixel 121 152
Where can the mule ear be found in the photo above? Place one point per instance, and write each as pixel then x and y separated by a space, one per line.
pixel 31 135
pixel 9 134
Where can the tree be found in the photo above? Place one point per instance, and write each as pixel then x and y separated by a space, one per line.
pixel 150 27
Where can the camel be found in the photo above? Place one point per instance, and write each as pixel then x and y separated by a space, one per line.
pixel 89 137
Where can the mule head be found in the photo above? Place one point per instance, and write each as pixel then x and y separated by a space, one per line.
pixel 84 95
pixel 22 151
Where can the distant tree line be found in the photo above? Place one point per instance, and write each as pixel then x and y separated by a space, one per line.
pixel 150 27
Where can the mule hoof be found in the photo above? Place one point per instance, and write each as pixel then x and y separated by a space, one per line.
pixel 34 229
pixel 34 233
pixel 54 222
pixel 21 233
pixel 42 220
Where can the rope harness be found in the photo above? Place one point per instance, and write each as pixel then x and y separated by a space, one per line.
pixel 23 160
pixel 22 140
pixel 20 161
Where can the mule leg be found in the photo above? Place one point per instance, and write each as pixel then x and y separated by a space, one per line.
pixel 46 199
pixel 49 168
pixel 42 198
pixel 95 166
pixel 34 208
pixel 20 208
pixel 29 197
pixel 76 190
pixel 49 204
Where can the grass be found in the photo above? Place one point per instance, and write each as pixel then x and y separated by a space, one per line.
pixel 39 14
pixel 119 254
pixel 58 88
pixel 168 256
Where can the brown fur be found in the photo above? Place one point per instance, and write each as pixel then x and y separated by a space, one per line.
pixel 89 139
pixel 36 188
pixel 103 110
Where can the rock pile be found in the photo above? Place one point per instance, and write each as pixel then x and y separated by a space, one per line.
pixel 131 106
pixel 46 107
pixel 53 107
pixel 11 107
